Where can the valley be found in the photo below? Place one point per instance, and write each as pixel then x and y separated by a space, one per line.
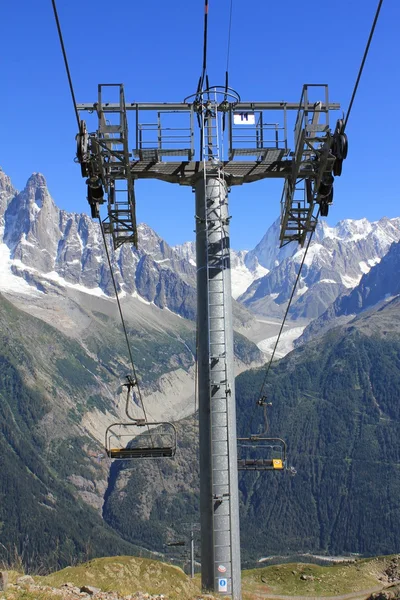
pixel 334 389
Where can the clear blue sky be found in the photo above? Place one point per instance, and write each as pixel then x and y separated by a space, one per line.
pixel 155 48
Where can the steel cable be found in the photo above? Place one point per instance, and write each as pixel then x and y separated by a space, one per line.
pixel 66 62
pixel 284 319
pixel 229 36
pixel 363 62
pixel 128 344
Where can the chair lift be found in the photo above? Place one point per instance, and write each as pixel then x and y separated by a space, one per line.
pixel 260 453
pixel 123 441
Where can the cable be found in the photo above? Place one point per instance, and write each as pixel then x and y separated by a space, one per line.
pixel 203 74
pixel 127 342
pixel 229 37
pixel 122 318
pixel 363 62
pixel 105 244
pixel 66 62
pixel 284 318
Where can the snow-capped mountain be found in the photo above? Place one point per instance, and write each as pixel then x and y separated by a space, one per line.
pixel 336 260
pixel 44 248
pixel 41 246
pixel 380 285
pixel 243 271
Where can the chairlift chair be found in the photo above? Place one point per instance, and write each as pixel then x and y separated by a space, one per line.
pixel 257 453
pixel 125 441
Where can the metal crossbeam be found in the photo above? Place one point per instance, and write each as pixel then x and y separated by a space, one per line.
pixel 184 106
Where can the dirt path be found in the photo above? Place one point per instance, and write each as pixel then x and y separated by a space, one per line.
pixel 361 594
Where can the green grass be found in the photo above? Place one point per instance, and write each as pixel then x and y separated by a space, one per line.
pixel 126 575
pixel 335 580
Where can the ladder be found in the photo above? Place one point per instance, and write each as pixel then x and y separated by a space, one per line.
pixel 218 256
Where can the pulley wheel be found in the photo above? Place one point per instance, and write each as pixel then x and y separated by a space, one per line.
pixel 344 145
pixel 339 126
pixel 337 167
pixel 324 209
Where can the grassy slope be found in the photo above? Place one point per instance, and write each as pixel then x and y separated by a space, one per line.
pixel 328 581
pixel 128 575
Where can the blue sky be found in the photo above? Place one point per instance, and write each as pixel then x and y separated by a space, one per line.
pixel 155 49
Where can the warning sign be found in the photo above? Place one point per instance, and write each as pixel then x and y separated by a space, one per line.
pixel 222 585
pixel 222 569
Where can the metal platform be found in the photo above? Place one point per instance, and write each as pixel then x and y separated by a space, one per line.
pixel 275 165
pixel 257 131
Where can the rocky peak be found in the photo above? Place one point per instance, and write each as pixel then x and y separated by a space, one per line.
pixel 36 192
pixel 32 225
pixel 6 186
pixel 7 192
pixel 267 251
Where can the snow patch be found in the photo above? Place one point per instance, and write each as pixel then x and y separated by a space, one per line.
pixel 10 282
pixel 327 281
pixel 285 342
pixel 313 251
pixel 242 278
pixel 54 276
pixel 302 290
pixel 136 295
pixel 350 282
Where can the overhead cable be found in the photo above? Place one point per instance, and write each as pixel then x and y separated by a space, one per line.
pixel 363 61
pixel 122 319
pixel 229 36
pixel 66 62
pixel 287 311
pixel 204 70
pixel 127 342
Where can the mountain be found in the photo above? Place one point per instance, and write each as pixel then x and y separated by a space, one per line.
pixel 48 387
pixel 47 245
pixel 335 403
pixel 64 357
pixel 336 260
pixel 243 271
pixel 379 285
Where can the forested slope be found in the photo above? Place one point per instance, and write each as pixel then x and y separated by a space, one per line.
pixel 336 402
pixel 43 521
